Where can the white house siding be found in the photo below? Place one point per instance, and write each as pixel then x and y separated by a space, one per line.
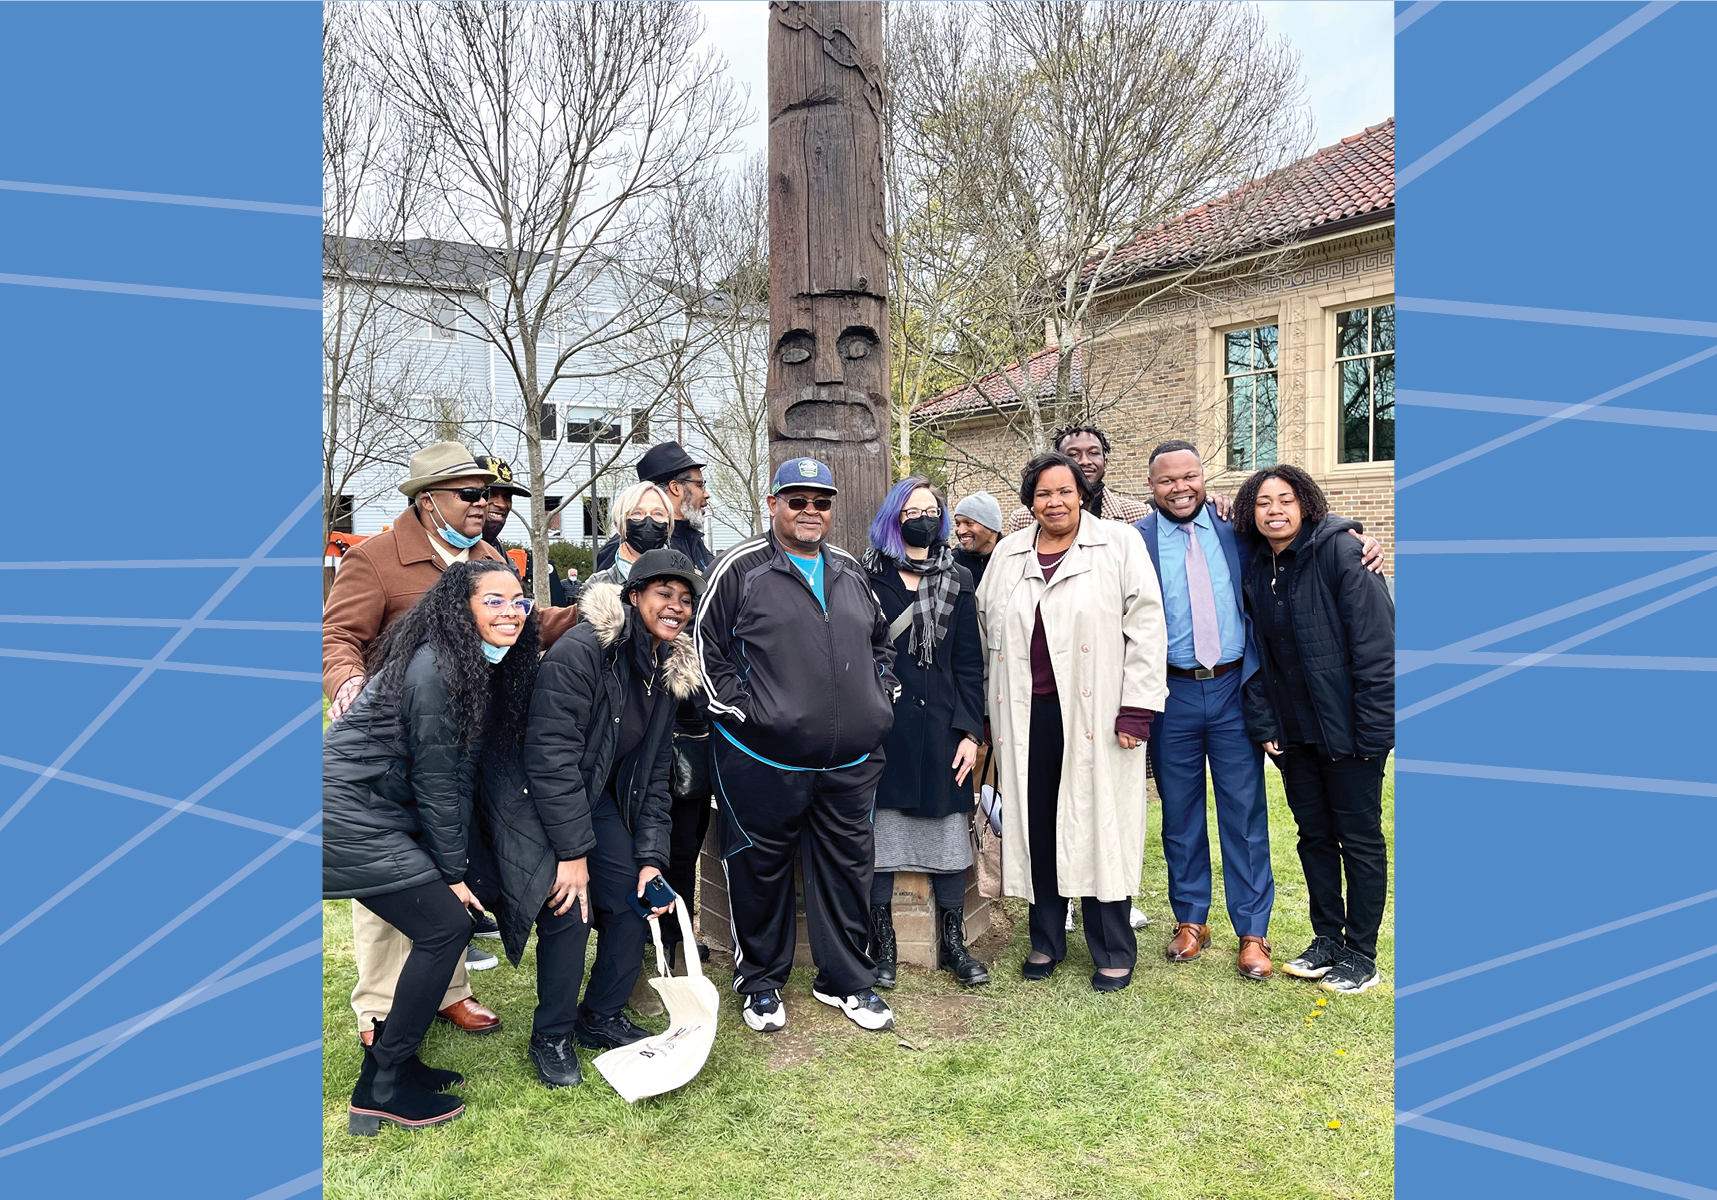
pixel 477 373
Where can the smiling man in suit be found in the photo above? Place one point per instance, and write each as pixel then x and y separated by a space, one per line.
pixel 1210 655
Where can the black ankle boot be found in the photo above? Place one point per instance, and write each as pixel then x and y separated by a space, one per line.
pixel 882 948
pixel 433 1078
pixel 955 957
pixel 395 1094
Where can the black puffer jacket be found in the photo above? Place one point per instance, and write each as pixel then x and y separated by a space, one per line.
pixel 397 783
pixel 570 739
pixel 1344 631
pixel 796 684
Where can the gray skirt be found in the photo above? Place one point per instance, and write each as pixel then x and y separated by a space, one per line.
pixel 935 845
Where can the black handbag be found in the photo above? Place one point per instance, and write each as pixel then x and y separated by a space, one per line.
pixel 688 777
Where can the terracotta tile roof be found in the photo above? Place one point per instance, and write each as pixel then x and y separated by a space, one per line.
pixel 993 388
pixel 1348 181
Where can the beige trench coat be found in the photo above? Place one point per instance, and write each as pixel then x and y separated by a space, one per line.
pixel 1103 618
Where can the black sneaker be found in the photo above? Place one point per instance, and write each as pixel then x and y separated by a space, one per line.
pixel 479 960
pixel 607 1033
pixel 555 1060
pixel 1352 974
pixel 764 1012
pixel 483 926
pixel 1317 959
pixel 863 1008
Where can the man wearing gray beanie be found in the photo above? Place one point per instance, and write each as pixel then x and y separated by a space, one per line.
pixel 978 526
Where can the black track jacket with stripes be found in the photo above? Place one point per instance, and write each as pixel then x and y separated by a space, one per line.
pixel 794 684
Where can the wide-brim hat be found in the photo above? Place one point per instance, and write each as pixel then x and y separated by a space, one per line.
pixel 439 463
pixel 664 564
pixel 503 473
pixel 662 462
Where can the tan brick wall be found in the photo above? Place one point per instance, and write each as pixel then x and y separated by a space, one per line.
pixel 1158 376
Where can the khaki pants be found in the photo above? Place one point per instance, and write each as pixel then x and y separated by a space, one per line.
pixel 380 951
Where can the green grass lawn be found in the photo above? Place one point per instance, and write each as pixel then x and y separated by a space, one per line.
pixel 1191 1083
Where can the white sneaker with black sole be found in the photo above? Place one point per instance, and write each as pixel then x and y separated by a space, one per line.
pixel 477 959
pixel 764 1012
pixel 867 1010
pixel 1352 975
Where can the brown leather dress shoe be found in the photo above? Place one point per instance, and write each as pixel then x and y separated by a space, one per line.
pixel 470 1016
pixel 1188 941
pixel 1254 962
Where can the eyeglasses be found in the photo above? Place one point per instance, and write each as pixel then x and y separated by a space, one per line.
pixel 798 503
pixel 910 513
pixel 688 479
pixel 497 603
pixel 468 494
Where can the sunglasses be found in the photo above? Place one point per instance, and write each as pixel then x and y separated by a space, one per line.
pixel 499 602
pixel 799 503
pixel 468 494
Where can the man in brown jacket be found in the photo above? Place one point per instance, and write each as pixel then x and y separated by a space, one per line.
pixel 379 580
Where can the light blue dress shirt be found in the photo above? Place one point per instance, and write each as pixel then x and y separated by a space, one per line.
pixel 1177 603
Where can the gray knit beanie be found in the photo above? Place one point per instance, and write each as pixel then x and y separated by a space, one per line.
pixel 982 508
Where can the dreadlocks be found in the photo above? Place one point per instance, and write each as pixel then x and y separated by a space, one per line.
pixel 1067 431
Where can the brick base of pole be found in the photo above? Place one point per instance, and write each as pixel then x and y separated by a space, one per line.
pixel 914 910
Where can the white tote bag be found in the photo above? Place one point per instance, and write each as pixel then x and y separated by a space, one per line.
pixel 672 1059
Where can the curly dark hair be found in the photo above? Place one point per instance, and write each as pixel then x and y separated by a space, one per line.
pixel 1067 431
pixel 1313 506
pixel 1040 464
pixel 480 699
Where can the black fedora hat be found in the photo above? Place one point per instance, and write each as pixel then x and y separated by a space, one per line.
pixel 661 463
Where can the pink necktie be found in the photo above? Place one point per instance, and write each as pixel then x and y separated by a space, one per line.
pixel 1206 634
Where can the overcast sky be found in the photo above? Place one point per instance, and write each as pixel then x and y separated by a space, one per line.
pixel 1346 57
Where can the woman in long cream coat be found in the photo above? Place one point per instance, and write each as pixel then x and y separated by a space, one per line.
pixel 1069 721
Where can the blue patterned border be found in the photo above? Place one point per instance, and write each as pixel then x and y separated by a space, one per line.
pixel 1558 584
pixel 160 601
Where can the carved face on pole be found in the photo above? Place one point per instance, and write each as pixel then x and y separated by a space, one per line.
pixel 831 374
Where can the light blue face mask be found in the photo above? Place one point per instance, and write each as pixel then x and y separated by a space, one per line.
pixel 449 535
pixel 495 653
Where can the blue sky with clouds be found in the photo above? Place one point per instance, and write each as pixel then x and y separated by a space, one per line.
pixel 1346 57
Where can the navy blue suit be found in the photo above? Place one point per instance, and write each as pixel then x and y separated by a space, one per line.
pixel 1207 719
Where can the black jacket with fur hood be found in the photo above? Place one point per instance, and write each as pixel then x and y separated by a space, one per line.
pixel 542 816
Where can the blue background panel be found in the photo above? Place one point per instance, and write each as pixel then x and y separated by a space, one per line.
pixel 1558 973
pixel 165 1038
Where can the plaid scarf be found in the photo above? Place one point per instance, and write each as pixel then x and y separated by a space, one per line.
pixel 937 588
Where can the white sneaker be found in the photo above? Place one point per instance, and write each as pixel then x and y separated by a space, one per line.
pixel 1070 905
pixel 764 1012
pixel 1137 919
pixel 867 1010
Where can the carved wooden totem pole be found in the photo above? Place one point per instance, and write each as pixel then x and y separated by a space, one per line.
pixel 828 384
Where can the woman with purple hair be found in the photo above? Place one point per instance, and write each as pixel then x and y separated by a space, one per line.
pixel 924 799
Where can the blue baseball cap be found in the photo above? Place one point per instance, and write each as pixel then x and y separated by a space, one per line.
pixel 804 473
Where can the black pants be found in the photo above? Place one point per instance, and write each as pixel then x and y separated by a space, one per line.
pixel 766 814
pixel 1338 805
pixel 949 889
pixel 1108 931
pixel 685 840
pixel 439 927
pixel 621 934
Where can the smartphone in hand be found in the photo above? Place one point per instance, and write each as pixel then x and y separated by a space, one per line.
pixel 657 894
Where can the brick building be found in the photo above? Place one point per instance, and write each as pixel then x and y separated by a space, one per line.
pixel 1284 351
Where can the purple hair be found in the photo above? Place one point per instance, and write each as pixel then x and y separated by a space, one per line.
pixel 885 529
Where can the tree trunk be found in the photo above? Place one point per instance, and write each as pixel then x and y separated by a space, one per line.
pixel 828 383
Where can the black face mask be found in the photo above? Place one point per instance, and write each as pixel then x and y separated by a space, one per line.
pixel 646 534
pixel 921 531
